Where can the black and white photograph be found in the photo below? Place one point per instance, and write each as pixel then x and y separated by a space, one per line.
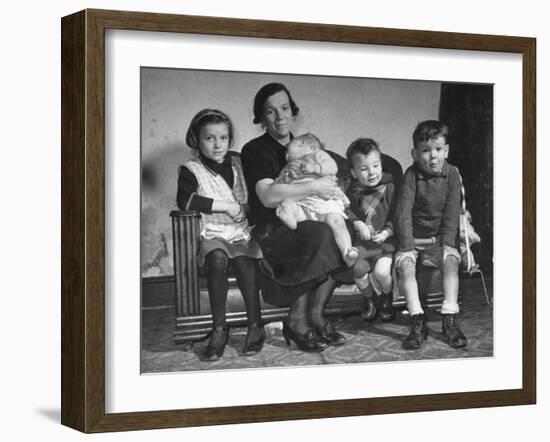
pixel 250 221
pixel 300 220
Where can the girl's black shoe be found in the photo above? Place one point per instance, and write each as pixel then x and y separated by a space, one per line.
pixel 216 345
pixel 328 334
pixel 305 342
pixel 255 338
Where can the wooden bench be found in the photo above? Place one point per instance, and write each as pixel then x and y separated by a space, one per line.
pixel 193 318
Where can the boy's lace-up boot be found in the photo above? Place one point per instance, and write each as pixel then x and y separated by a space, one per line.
pixel 418 333
pixel 452 333
pixel 387 313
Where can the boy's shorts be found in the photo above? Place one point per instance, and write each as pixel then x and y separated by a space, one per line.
pixel 433 255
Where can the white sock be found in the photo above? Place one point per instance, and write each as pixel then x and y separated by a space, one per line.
pixel 413 305
pixel 449 308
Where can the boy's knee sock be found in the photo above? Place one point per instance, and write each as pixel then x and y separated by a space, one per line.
pixel 410 289
pixel 449 307
pixel 413 305
pixel 450 286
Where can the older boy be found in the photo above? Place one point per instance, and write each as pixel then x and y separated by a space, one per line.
pixel 427 211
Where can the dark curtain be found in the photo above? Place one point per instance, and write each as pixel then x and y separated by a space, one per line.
pixel 468 111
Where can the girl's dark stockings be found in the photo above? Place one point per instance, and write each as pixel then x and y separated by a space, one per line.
pixel 216 282
pixel 216 275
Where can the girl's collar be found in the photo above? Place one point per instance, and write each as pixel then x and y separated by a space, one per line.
pixel 213 165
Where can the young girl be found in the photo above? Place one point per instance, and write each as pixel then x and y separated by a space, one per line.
pixel 372 204
pixel 213 184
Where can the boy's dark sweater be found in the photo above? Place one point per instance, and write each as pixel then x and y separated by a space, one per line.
pixel 428 205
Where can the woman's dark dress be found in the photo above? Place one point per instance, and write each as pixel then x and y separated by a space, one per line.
pixel 296 260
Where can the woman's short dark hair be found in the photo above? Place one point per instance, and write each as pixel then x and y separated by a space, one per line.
pixel 264 93
pixel 204 117
pixel 429 130
pixel 363 146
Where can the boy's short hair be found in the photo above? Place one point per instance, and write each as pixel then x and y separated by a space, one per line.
pixel 364 146
pixel 201 119
pixel 428 130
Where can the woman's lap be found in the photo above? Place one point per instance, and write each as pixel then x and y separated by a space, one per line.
pixel 296 261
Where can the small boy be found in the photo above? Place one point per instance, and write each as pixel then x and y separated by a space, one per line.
pixel 428 209
pixel 372 194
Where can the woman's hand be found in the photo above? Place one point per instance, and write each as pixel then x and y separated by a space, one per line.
pixel 325 187
pixel 362 230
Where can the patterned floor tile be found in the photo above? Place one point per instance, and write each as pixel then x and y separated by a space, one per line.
pixel 366 342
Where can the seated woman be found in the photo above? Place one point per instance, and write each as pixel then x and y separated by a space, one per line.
pixel 297 264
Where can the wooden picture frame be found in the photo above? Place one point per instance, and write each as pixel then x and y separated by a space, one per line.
pixel 83 220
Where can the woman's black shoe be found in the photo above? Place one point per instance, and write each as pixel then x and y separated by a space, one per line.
pixel 369 314
pixel 254 342
pixel 216 345
pixel 305 342
pixel 386 311
pixel 328 334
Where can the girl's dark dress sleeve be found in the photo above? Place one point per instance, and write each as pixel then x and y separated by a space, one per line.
pixel 187 193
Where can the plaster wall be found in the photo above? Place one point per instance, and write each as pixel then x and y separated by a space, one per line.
pixel 338 110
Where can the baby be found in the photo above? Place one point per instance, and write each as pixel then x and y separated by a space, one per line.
pixel 307 161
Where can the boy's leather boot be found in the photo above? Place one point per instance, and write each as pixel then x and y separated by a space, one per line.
pixel 370 311
pixel 386 310
pixel 452 333
pixel 417 334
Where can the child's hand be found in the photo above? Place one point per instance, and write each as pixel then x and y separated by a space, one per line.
pixel 380 237
pixel 233 210
pixel 290 175
pixel 242 213
pixel 362 230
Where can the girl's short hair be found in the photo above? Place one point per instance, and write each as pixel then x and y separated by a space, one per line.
pixel 428 130
pixel 204 117
pixel 363 146
pixel 264 93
